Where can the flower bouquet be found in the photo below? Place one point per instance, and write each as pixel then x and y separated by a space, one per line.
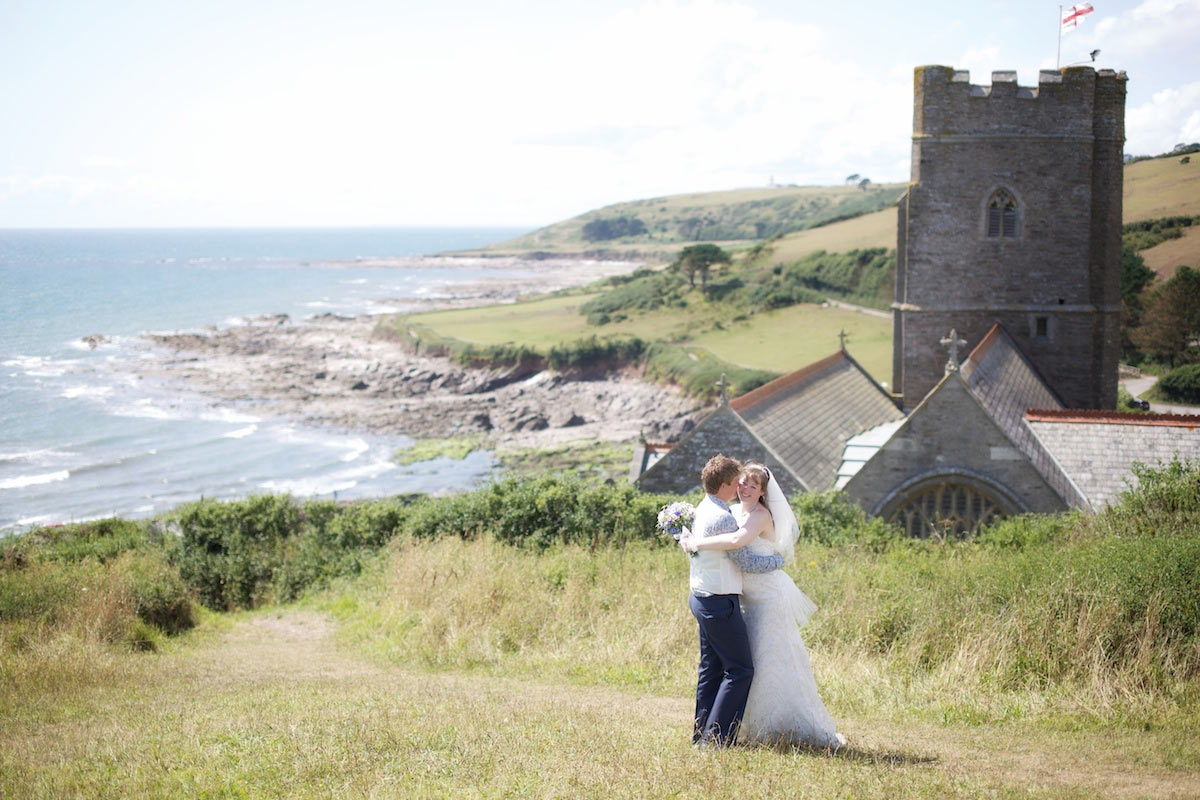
pixel 673 519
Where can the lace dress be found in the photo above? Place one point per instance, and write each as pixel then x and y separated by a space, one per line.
pixel 784 704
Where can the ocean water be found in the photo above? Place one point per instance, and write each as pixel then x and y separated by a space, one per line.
pixel 81 440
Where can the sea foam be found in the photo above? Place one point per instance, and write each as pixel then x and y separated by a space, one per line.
pixel 21 481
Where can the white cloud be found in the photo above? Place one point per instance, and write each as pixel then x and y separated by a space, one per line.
pixel 102 162
pixel 1169 118
pixel 1154 25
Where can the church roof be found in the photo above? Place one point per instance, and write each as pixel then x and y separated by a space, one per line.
pixel 723 431
pixel 1007 384
pixel 808 415
pixel 1097 448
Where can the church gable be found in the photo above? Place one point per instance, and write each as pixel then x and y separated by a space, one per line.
pixel 950 460
pixel 1007 384
pixel 807 416
pixel 722 432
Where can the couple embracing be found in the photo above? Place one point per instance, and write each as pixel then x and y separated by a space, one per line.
pixel 755 677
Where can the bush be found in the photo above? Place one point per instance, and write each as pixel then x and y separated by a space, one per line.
pixel 540 512
pixel 592 353
pixel 697 371
pixel 229 552
pixel 102 540
pixel 646 293
pixel 1182 384
pixel 160 597
pixel 600 230
pixel 832 518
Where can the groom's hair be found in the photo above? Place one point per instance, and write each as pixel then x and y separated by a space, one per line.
pixel 719 471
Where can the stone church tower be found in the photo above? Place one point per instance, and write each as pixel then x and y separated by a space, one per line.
pixel 1013 216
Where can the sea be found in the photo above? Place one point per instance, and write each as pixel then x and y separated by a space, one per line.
pixel 82 437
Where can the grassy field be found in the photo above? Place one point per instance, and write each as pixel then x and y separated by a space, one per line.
pixel 790 338
pixel 870 230
pixel 780 341
pixel 1166 257
pixel 272 706
pixel 466 654
pixel 471 669
pixel 1161 187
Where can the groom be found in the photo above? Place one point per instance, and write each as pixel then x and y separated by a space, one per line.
pixel 726 667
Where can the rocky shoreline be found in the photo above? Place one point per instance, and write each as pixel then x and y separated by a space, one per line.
pixel 331 371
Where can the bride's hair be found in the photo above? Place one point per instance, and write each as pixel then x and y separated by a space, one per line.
pixel 763 476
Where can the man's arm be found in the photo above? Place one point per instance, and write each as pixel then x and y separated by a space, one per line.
pixel 752 562
pixel 722 541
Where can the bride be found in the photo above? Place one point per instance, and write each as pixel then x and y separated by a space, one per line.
pixel 784 705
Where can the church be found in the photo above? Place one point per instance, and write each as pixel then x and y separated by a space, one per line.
pixel 1006 329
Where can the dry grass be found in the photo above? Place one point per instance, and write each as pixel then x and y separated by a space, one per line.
pixel 1161 187
pixel 1165 258
pixel 870 230
pixel 471 669
pixel 273 707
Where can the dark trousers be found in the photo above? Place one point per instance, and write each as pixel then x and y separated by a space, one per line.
pixel 726 668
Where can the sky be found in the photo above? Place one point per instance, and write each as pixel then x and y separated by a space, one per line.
pixel 176 113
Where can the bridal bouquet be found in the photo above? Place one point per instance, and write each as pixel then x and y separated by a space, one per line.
pixel 673 518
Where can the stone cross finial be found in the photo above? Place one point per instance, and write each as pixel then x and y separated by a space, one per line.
pixel 952 343
pixel 842 339
pixel 723 385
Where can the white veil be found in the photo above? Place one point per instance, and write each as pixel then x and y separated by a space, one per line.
pixel 787 531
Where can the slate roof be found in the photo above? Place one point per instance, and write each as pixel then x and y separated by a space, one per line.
pixel 808 415
pixel 723 431
pixel 1098 448
pixel 1008 385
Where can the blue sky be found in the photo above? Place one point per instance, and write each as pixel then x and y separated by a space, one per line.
pixel 172 113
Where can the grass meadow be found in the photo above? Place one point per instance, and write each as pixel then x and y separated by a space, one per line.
pixel 1161 187
pixel 1165 258
pixel 796 335
pixel 1051 657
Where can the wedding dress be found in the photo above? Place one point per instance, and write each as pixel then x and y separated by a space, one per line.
pixel 784 705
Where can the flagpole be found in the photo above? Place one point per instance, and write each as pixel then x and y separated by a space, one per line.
pixel 1058 52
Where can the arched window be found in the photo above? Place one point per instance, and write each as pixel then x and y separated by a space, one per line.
pixel 1002 215
pixel 946 508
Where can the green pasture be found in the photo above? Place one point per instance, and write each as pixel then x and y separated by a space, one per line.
pixel 780 341
pixel 790 338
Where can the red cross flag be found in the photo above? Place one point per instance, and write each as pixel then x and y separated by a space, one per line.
pixel 1074 15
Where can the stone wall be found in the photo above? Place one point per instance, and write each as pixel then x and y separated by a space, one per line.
pixel 1055 286
pixel 950 436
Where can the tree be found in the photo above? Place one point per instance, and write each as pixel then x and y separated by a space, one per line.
pixel 864 183
pixel 1135 277
pixel 1172 319
pixel 700 258
pixel 853 178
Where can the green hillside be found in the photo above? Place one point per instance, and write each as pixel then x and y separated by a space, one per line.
pixel 660 226
pixel 789 257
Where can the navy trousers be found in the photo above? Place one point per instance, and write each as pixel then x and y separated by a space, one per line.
pixel 726 668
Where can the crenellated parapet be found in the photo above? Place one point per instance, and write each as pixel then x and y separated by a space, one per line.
pixel 1071 102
